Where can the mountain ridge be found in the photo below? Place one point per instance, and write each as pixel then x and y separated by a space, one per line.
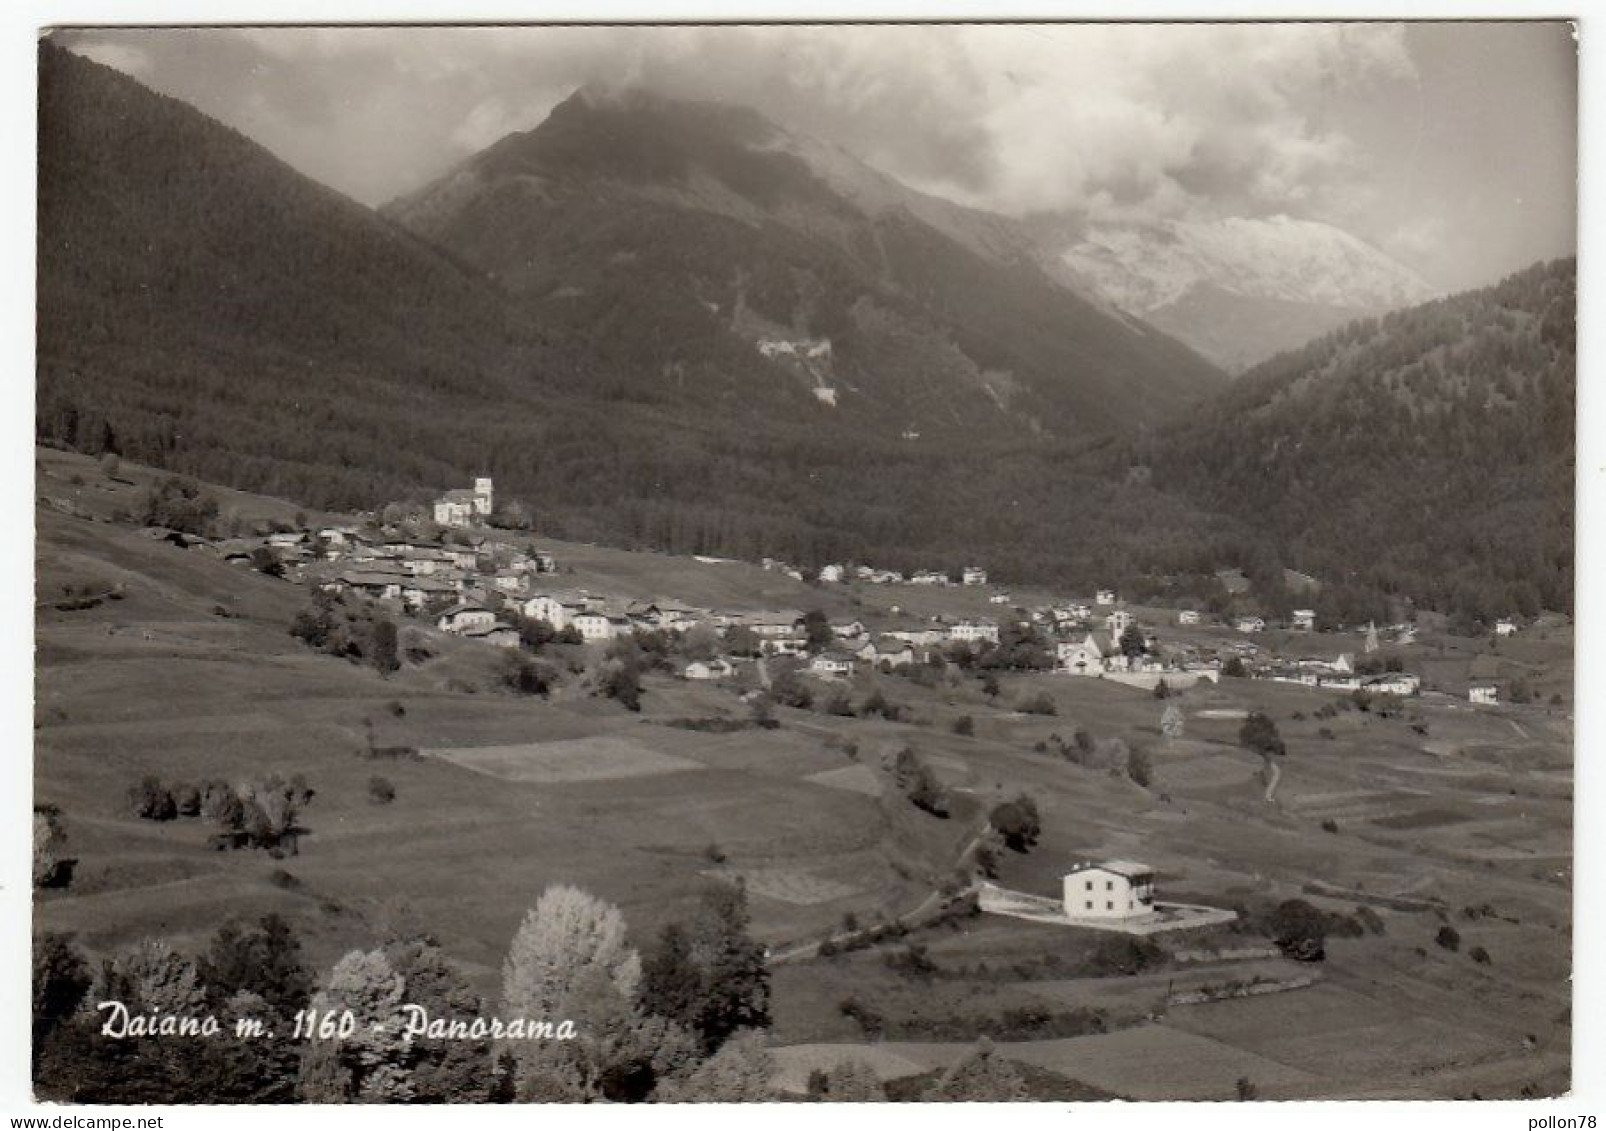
pixel 717 206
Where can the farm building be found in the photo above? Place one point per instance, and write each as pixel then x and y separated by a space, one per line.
pixel 1304 620
pixel 1505 627
pixel 1485 694
pixel 461 618
pixel 974 575
pixel 1250 624
pixel 832 663
pixel 1111 890
pixel 1188 616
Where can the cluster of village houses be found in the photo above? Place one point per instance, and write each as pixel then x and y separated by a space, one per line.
pixel 476 586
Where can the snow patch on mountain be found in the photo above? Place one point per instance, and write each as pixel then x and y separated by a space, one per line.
pixel 1144 269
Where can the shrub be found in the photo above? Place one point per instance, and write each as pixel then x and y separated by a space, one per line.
pixel 1330 825
pixel 187 799
pixel 1138 767
pixel 620 680
pixel 1479 955
pixel 714 854
pixel 839 704
pixel 380 791
pixel 986 860
pixel 1018 822
pixel 1448 937
pixel 965 725
pixel 523 675
pixel 1040 704
pixel 150 801
pixel 919 784
pixel 1299 930
pixel 221 806
pixel 872 1023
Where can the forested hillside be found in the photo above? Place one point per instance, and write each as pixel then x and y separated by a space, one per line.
pixel 203 307
pixel 1426 454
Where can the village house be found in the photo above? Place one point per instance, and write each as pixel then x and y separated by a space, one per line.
pixel 777 624
pixel 498 635
pixel 1115 889
pixel 974 575
pixel 1188 616
pixel 971 631
pixel 1394 683
pixel 596 625
pixel 1505 627
pixel 1118 622
pixel 1483 694
pixel 886 650
pixel 928 577
pixel 558 608
pixel 832 663
pixel 831 574
pixel 1093 655
pixel 913 632
pixel 418 593
pixel 794 645
pixel 1303 620
pixel 383 585
pixel 464 507
pixel 463 616
pixel 717 668
pixel 848 630
pixel 1250 624
pixel 1104 597
pixel 510 583
pixel 1000 599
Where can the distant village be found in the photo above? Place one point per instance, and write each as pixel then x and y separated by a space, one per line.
pixel 479 583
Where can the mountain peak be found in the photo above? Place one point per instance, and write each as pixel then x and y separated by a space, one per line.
pixel 1239 288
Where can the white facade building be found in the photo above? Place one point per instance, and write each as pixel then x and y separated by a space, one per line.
pixel 1115 889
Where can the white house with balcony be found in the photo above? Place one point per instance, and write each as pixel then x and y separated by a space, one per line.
pixel 1114 889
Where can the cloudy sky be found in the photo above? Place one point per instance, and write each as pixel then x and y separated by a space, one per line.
pixel 1450 146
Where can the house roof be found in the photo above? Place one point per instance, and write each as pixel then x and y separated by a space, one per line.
pixel 463 607
pixel 489 630
pixel 457 495
pixel 1128 868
